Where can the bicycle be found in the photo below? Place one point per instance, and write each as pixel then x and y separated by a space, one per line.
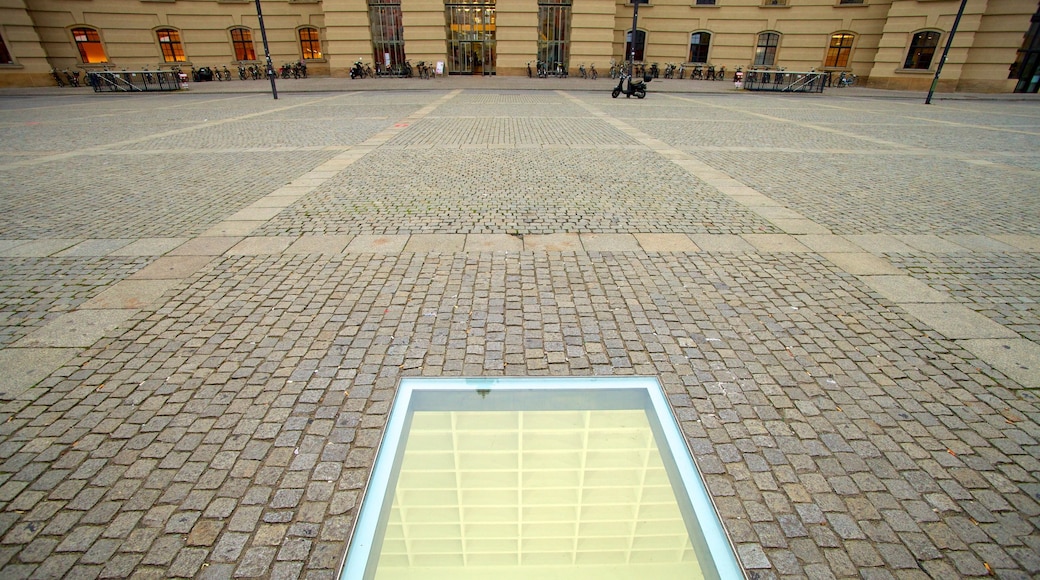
pixel 581 71
pixel 592 71
pixel 846 79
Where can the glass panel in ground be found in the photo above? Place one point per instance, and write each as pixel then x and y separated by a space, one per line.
pixel 583 493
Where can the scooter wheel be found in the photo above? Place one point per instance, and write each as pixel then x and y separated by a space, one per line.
pixel 640 94
pixel 615 93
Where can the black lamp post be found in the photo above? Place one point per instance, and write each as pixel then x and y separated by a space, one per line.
pixel 942 61
pixel 635 19
pixel 267 51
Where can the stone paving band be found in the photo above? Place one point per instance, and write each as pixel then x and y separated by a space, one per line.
pixel 208 300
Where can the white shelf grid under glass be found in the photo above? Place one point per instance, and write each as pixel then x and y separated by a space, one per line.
pixel 517 477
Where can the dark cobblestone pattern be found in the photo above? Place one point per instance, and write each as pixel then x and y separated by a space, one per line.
pixel 82 122
pixel 141 195
pixel 454 132
pixel 514 191
pixel 668 109
pixel 230 432
pixel 891 194
pixel 967 140
pixel 1002 287
pixel 689 135
pixel 34 291
pixel 519 105
pixel 294 134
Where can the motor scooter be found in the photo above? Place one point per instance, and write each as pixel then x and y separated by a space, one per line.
pixel 635 87
pixel 357 71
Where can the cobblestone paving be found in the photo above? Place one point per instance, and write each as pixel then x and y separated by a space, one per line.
pixel 921 194
pixel 1004 287
pixel 142 194
pixel 35 290
pixel 514 191
pixel 227 428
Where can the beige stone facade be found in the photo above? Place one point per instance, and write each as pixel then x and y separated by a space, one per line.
pixel 887 43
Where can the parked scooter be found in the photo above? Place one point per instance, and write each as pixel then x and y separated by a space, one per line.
pixel 635 87
pixel 357 71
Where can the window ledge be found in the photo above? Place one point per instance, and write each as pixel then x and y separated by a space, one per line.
pixel 914 71
pixel 840 4
pixel 775 4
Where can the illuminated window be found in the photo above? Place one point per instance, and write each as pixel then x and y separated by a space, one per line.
pixel 922 49
pixel 88 41
pixel 242 40
pixel 839 51
pixel 310 46
pixel 765 51
pixel 699 43
pixel 170 43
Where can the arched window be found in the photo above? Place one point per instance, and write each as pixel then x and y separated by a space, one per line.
pixel 310 44
pixel 170 44
pixel 765 50
pixel 242 41
pixel 699 44
pixel 922 49
pixel 5 55
pixel 839 50
pixel 88 42
pixel 640 44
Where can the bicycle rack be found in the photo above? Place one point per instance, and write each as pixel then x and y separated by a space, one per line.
pixel 134 81
pixel 784 81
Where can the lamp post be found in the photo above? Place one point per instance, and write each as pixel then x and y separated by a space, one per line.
pixel 267 51
pixel 632 52
pixel 942 61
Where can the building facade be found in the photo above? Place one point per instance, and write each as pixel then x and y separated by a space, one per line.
pixel 887 43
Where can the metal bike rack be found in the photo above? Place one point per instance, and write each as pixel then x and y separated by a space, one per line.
pixel 134 81
pixel 784 81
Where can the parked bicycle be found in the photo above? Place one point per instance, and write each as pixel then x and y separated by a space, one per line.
pixel 846 79
pixel 72 77
pixel 425 71
pixel 592 71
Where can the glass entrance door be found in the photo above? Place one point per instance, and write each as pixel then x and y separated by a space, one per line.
pixel 471 38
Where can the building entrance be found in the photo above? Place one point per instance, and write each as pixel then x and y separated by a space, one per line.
pixel 471 44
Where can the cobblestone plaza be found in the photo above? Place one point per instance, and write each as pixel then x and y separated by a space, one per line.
pixel 208 299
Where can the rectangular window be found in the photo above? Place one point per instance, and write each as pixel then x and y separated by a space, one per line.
pixel 839 50
pixel 242 40
pixel 922 49
pixel 554 28
pixel 472 48
pixel 310 45
pixel 387 24
pixel 170 43
pixel 699 44
pixel 88 41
